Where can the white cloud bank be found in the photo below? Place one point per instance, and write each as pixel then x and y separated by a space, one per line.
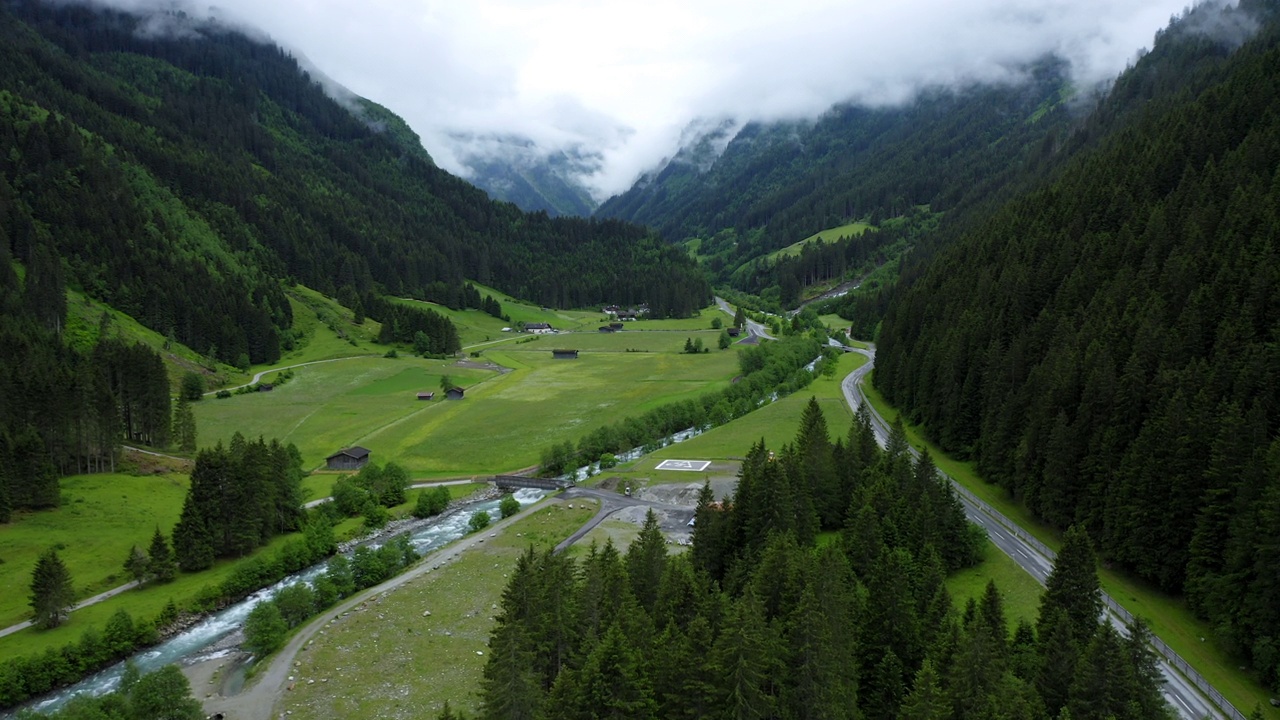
pixel 623 78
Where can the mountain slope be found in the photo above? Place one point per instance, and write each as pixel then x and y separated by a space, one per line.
pixel 1106 346
pixel 774 184
pixel 182 174
pixel 514 170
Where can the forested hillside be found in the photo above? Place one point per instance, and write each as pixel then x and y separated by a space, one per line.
pixel 181 171
pixel 1106 346
pixel 774 184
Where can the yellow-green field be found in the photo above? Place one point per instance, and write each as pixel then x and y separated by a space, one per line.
pixel 506 419
pixel 333 405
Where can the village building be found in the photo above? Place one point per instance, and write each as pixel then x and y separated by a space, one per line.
pixel 353 458
pixel 426 395
pixel 539 328
pixel 454 393
pixel 564 354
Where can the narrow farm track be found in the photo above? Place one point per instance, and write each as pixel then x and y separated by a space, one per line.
pixel 258 376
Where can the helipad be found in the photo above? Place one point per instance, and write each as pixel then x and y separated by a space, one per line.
pixel 690 465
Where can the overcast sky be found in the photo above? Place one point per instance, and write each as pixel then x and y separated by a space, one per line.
pixel 623 78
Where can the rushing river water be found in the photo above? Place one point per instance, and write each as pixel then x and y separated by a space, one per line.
pixel 196 642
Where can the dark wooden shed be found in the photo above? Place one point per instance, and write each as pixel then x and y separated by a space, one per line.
pixel 353 458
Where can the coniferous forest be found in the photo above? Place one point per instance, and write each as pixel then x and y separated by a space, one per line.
pixel 1106 347
pixel 181 171
pixel 760 619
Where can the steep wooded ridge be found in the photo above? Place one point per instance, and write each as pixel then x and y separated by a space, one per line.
pixel 182 170
pixel 1106 347
pixel 774 184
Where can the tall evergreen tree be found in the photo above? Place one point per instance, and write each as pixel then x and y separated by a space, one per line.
pixel 160 563
pixel 51 592
pixel 646 562
pixel 1072 586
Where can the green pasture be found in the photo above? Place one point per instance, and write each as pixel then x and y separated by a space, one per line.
pixel 333 405
pixel 825 236
pixel 101 518
pixel 142 603
pixel 1168 616
pixel 505 423
pixel 389 659
pixel 776 423
pixel 1020 592
pixel 654 341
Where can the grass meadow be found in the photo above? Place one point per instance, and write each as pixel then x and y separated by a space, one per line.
pixel 826 236
pixel 505 420
pixel 121 510
pixel 390 660
pixel 1168 616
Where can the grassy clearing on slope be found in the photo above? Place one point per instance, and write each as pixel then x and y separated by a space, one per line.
pixel 101 518
pixel 324 330
pixel 143 603
pixel 389 660
pixel 1168 616
pixel 825 236
pixel 85 325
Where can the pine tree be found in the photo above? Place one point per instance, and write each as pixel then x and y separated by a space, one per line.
pixel 161 564
pixel 646 562
pixel 748 662
pixel 510 687
pixel 192 543
pixel 136 564
pixel 51 592
pixel 926 700
pixel 184 425
pixel 1073 586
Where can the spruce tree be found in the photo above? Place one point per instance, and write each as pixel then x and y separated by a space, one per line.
pixel 192 544
pixel 646 562
pixel 1073 587
pixel 52 595
pixel 161 564
pixel 137 565
pixel 926 700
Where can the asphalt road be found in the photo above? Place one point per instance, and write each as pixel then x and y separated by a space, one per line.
pixel 1031 555
pixel 753 328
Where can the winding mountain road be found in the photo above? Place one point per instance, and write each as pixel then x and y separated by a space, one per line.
pixel 1188 693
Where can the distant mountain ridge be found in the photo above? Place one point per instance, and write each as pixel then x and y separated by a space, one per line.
pixel 515 170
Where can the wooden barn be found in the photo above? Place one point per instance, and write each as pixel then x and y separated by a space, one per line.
pixel 564 354
pixel 454 393
pixel 353 458
pixel 426 396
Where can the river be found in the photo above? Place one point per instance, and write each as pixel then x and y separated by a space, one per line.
pixel 203 640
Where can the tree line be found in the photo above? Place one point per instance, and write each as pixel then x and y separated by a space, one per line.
pixel 66 410
pixel 816 591
pixel 240 497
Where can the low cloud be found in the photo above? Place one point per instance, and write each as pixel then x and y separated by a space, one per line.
pixel 619 81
